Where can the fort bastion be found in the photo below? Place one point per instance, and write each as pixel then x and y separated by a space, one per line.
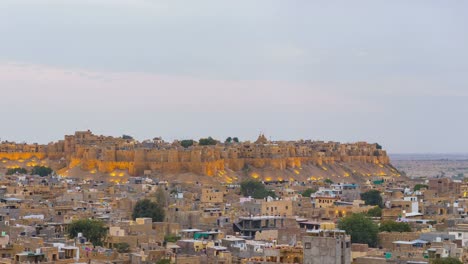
pixel 105 154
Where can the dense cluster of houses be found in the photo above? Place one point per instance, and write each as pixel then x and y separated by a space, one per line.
pixel 216 224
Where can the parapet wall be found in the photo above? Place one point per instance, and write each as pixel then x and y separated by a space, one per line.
pixel 107 154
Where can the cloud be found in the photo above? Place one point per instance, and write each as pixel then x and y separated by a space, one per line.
pixel 283 53
pixel 114 91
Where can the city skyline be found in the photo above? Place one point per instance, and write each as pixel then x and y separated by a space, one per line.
pixel 309 70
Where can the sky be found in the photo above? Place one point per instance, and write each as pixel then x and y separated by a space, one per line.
pixel 393 72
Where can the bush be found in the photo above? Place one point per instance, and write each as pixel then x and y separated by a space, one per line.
pixel 255 189
pixel 372 197
pixel 308 192
pixel 16 171
pixel 392 226
pixel 186 143
pixel 41 171
pixel 446 261
pixel 361 229
pixel 328 181
pixel 207 141
pixel 122 247
pixel 146 208
pixel 418 187
pixel 127 137
pixel 172 238
pixel 93 230
pixel 375 212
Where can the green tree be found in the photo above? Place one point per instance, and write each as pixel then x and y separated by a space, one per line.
pixel 123 247
pixel 161 197
pixel 375 212
pixel 418 187
pixel 172 238
pixel 16 170
pixel 41 171
pixel 228 140
pixel 372 197
pixel 147 208
pixel 378 146
pixel 235 139
pixel 207 141
pixel 127 137
pixel 186 143
pixel 361 229
pixel 308 192
pixel 446 261
pixel 163 261
pixel 328 181
pixel 255 189
pixel 93 230
pixel 392 226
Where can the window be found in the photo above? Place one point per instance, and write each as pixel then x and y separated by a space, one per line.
pixel 308 245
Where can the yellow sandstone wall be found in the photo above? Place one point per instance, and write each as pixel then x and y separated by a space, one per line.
pixel 107 155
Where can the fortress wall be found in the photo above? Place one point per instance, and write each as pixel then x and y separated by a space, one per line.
pixel 90 153
pixel 140 156
pixel 212 168
pixel 234 164
pixel 125 155
pixel 74 162
pixel 89 165
pixel 172 156
pixel 204 160
pixel 14 156
pixel 79 151
pixel 55 155
pixel 111 166
pixel 195 156
pixel 156 155
pixel 185 156
pixel 109 154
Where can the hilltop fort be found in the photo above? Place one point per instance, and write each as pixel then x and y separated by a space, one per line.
pixel 263 159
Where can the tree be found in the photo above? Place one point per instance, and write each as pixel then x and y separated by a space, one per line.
pixel 164 261
pixel 328 181
pixel 186 143
pixel 375 212
pixel 255 189
pixel 147 208
pixel 361 229
pixel 41 171
pixel 446 261
pixel 161 197
pixel 16 171
pixel 123 247
pixel 235 139
pixel 127 137
pixel 372 197
pixel 308 192
pixel 419 186
pixel 392 226
pixel 228 140
pixel 378 146
pixel 93 230
pixel 207 141
pixel 172 238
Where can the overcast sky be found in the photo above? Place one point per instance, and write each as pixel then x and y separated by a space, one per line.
pixel 393 72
